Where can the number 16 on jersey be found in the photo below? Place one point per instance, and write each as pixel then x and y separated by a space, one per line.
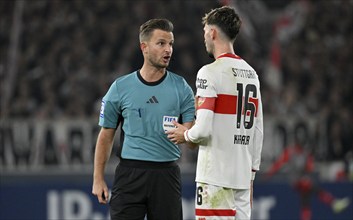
pixel 246 106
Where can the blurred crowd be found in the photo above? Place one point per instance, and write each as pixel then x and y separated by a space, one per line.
pixel 69 52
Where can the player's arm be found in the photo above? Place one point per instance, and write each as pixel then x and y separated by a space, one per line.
pixel 251 192
pixel 204 120
pixel 258 138
pixel 190 145
pixel 203 125
pixel 206 96
pixel 205 103
pixel 177 135
pixel 103 150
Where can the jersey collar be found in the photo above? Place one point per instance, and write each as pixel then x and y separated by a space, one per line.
pixel 151 83
pixel 229 55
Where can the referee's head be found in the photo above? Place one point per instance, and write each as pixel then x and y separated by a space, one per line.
pixel 149 26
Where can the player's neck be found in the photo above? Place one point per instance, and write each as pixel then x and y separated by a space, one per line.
pixel 223 48
pixel 152 74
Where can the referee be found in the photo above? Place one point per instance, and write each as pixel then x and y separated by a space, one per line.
pixel 147 180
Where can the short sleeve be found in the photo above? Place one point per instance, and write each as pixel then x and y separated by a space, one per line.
pixel 110 108
pixel 205 84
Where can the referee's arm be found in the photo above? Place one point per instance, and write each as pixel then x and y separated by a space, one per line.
pixel 103 150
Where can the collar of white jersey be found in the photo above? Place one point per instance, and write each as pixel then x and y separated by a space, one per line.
pixel 229 55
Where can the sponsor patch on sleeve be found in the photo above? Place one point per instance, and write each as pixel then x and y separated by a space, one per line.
pixel 201 83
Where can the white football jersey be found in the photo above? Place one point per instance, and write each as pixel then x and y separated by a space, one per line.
pixel 233 150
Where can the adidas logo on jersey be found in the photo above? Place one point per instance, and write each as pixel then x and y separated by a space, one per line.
pixel 153 99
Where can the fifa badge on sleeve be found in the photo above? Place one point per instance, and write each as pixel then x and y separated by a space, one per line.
pixel 168 122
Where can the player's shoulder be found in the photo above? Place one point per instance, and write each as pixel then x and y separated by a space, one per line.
pixel 208 70
pixel 233 60
pixel 246 65
pixel 243 64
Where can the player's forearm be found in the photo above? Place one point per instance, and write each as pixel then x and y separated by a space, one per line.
pixel 251 192
pixel 190 145
pixel 202 128
pixel 257 148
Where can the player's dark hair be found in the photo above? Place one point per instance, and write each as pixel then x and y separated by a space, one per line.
pixel 148 27
pixel 226 19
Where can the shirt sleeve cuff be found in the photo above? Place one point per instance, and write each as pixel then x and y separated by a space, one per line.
pixel 187 139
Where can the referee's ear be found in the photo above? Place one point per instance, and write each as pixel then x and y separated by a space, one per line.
pixel 143 46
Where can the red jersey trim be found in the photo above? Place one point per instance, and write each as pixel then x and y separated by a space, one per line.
pixel 227 104
pixel 229 55
pixel 215 212
pixel 206 103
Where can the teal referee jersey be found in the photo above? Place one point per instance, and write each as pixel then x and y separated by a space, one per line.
pixel 144 106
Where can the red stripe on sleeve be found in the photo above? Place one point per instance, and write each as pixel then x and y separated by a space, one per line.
pixel 226 104
pixel 215 212
pixel 206 103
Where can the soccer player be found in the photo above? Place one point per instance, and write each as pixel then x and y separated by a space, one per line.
pixel 147 180
pixel 228 126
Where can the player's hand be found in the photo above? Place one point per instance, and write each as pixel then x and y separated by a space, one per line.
pixel 100 190
pixel 177 135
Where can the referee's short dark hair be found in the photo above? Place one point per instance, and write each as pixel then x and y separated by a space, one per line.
pixel 226 19
pixel 148 27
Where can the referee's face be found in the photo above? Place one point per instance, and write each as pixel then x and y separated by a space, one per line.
pixel 159 48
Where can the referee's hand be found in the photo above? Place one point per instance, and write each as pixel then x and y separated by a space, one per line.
pixel 177 135
pixel 100 190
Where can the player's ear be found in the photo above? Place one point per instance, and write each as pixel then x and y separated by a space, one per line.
pixel 213 33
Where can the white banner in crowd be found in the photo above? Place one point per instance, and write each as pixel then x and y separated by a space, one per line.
pixel 32 144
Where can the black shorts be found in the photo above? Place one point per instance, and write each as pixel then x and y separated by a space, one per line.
pixel 146 188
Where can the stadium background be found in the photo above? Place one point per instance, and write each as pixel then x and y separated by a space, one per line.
pixel 58 58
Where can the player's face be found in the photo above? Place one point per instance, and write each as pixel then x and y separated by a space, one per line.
pixel 208 40
pixel 159 48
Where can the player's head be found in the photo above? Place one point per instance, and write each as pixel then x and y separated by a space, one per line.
pixel 156 42
pixel 227 23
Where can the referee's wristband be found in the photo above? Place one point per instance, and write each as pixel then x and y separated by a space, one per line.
pixel 187 139
pixel 253 175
